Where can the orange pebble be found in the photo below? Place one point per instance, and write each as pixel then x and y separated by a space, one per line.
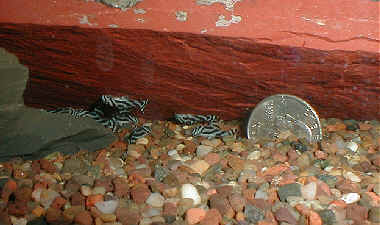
pixel 314 218
pixel 38 211
pixel 92 199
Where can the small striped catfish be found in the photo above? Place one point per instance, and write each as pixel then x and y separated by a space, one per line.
pixel 71 111
pixel 123 103
pixel 211 131
pixel 125 119
pixel 139 132
pixel 190 119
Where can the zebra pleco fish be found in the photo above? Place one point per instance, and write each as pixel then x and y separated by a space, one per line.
pixel 190 119
pixel 71 111
pixel 125 119
pixel 139 132
pixel 112 112
pixel 211 131
pixel 123 103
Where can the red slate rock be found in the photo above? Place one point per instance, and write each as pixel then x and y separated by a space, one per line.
pixel 83 218
pixel 140 193
pixel 283 215
pixel 213 217
pixel 237 202
pixel 357 213
pixel 8 189
pixel 47 166
pixel 53 215
pixel 121 187
pixel 222 205
pixel 127 216
pixel 230 86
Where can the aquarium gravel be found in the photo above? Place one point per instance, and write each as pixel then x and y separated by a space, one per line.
pixel 169 177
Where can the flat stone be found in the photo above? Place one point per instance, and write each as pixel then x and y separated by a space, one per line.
pixel 293 189
pixel 253 214
pixel 155 200
pixel 328 216
pixel 284 215
pixel 222 205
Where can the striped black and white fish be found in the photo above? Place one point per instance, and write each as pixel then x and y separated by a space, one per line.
pixel 190 119
pixel 71 111
pixel 139 132
pixel 125 119
pixel 123 103
pixel 211 131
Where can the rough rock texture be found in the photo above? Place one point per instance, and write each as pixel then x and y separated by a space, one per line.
pixel 324 53
pixel 32 133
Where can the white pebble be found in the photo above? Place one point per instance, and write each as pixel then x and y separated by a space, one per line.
pixel 309 191
pixel 18 221
pixel 155 200
pixel 350 198
pixel 352 146
pixel 142 141
pixel 107 206
pixel 352 177
pixel 85 190
pixel 172 152
pixel 190 191
pixel 255 155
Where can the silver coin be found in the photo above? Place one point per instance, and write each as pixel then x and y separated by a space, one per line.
pixel 283 113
